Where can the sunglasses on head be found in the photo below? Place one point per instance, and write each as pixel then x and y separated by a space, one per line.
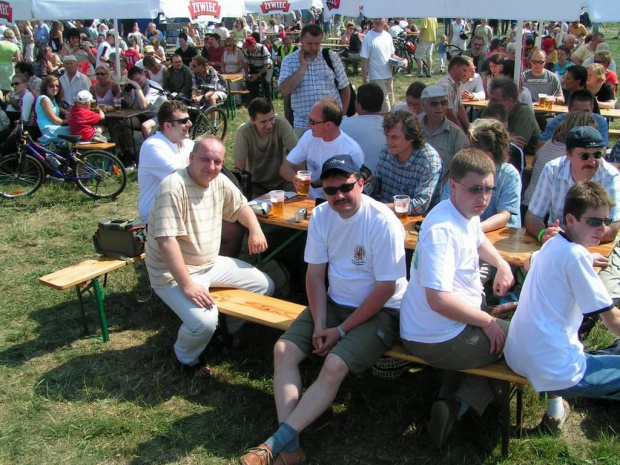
pixel 596 222
pixel 477 190
pixel 344 188
pixel 586 156
pixel 179 120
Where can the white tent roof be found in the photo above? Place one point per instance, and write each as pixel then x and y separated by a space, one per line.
pixel 501 9
pixel 119 9
pixel 603 10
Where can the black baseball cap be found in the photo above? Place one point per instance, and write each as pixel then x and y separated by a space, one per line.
pixel 342 163
pixel 584 136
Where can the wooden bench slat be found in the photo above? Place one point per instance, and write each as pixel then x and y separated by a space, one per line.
pixel 97 146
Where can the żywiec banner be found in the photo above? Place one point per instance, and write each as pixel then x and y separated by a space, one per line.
pixel 204 8
pixel 6 12
pixel 268 7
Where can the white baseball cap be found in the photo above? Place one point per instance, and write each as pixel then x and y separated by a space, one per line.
pixel 84 96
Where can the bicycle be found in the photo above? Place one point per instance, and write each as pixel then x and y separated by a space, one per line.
pixel 405 47
pixel 206 120
pixel 97 173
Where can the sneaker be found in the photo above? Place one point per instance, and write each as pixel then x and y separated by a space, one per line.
pixel 260 455
pixel 443 416
pixel 390 368
pixel 552 425
pixel 130 168
pixel 420 75
pixel 291 458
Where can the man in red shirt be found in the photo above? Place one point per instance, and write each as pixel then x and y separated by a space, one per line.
pixel 83 121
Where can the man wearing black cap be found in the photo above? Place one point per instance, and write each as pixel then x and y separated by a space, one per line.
pixel 353 322
pixel 585 149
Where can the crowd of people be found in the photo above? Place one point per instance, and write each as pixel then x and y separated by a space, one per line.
pixel 465 174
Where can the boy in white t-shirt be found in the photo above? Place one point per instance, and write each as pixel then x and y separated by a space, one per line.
pixel 562 288
pixel 441 320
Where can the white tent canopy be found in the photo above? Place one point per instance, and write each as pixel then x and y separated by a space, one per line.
pixel 603 10
pixel 69 9
pixel 522 9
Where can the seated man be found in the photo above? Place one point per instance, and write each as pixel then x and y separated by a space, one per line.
pixel 183 244
pixel 258 67
pixel 178 78
pixel 408 165
pixel 358 243
pixel 261 146
pixel 206 84
pixel 540 80
pixel 452 81
pixel 441 318
pixel 584 161
pixel 413 99
pixel 561 289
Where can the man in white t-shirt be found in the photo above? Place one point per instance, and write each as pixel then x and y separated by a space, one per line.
pixel 561 289
pixel 105 48
pixel 324 140
pixel 358 243
pixel 377 50
pixel 441 318
pixel 164 153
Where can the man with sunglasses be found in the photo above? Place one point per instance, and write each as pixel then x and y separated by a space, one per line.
pixel 441 320
pixel 539 80
pixel 561 289
pixel 584 161
pixel 442 134
pixel 358 243
pixel 324 140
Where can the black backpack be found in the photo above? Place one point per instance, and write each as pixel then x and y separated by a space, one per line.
pixel 350 110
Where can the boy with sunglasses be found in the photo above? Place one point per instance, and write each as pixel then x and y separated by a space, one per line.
pixel 584 161
pixel 562 288
pixel 441 320
pixel 357 243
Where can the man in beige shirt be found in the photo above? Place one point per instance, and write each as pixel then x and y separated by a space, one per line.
pixel 184 235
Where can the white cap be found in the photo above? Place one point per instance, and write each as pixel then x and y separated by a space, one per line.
pixel 84 96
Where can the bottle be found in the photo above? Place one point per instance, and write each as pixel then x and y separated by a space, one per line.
pixel 51 159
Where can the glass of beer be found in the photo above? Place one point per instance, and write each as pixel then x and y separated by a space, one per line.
pixel 118 104
pixel 277 202
pixel 542 100
pixel 401 205
pixel 550 100
pixel 93 104
pixel 101 104
pixel 303 187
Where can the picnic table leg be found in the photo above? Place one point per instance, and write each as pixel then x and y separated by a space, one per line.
pixel 84 320
pixel 100 296
pixel 519 411
pixel 277 250
pixel 505 408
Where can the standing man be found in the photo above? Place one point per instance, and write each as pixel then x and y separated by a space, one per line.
pixel 584 161
pixel 458 70
pixel 41 34
pixel 258 67
pixel 428 36
pixel 587 50
pixel 307 78
pixel 104 49
pixel 325 140
pixel 182 258
pixel 377 50
pixel 178 78
pixel 442 134
pixel 477 54
pixel 72 81
pixel 357 243
pixel 408 165
pixel 261 146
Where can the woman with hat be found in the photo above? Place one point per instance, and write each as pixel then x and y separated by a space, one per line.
pixel 9 52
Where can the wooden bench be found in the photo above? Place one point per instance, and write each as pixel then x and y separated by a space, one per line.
pixel 280 314
pixel 614 132
pixel 84 277
pixel 95 146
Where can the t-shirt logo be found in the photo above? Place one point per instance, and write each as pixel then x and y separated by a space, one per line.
pixel 359 252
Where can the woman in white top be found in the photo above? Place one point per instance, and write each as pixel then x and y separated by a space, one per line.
pixel 232 63
pixel 155 70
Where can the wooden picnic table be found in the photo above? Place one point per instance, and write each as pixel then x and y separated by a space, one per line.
pixel 333 45
pixel 555 109
pixel 515 245
pixel 233 77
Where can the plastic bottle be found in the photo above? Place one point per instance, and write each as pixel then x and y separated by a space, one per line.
pixel 51 159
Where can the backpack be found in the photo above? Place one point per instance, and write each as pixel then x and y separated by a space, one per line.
pixel 350 111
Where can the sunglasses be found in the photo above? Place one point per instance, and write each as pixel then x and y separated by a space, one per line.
pixel 537 62
pixel 477 190
pixel 179 120
pixel 596 222
pixel 101 74
pixel 585 156
pixel 314 123
pixel 344 188
pixel 13 84
pixel 434 103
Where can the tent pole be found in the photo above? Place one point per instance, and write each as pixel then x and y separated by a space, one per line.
pixel 118 50
pixel 519 51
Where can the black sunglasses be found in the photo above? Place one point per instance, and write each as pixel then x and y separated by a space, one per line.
pixel 13 84
pixel 477 190
pixel 586 156
pixel 180 120
pixel 314 123
pixel 434 103
pixel 596 222
pixel 344 188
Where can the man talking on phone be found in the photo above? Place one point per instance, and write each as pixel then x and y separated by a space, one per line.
pixel 306 77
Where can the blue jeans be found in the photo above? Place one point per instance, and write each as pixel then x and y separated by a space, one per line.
pixel 601 380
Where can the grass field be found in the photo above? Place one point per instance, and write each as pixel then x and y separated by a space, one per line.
pixel 69 399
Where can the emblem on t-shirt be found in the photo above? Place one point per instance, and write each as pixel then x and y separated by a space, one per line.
pixel 358 255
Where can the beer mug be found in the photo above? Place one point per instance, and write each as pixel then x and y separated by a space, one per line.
pixel 303 186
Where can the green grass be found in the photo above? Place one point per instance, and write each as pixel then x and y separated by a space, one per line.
pixel 69 399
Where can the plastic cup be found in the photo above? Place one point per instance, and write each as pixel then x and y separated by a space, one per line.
pixel 401 205
pixel 542 100
pixel 101 104
pixel 549 101
pixel 277 202
pixel 118 104
pixel 303 187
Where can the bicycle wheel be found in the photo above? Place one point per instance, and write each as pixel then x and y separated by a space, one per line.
pixel 100 174
pixel 20 175
pixel 213 122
